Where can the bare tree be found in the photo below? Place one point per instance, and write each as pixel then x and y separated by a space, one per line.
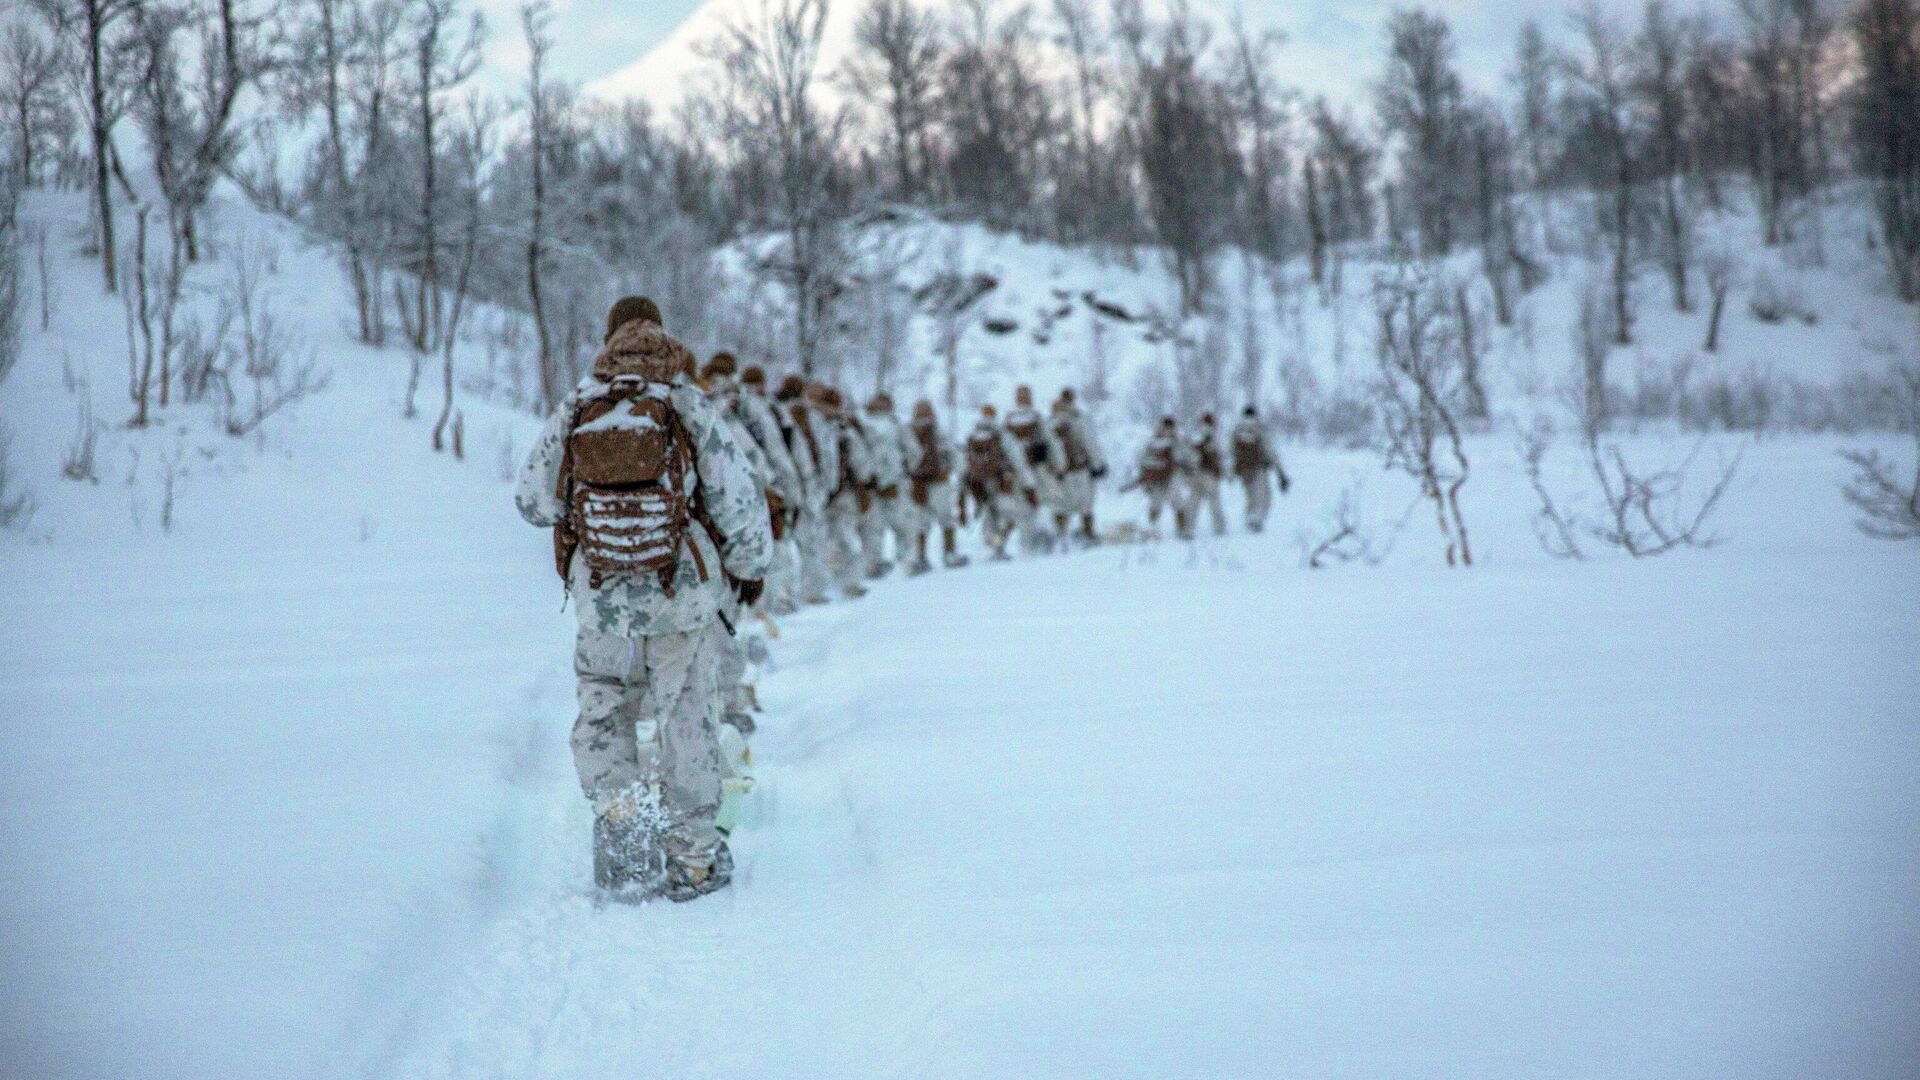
pixel 1889 509
pixel 770 117
pixel 1421 101
pixel 534 21
pixel 474 147
pixel 1535 106
pixel 92 28
pixel 443 57
pixel 1418 381
pixel 1663 48
pixel 896 65
pixel 30 70
pixel 186 97
pixel 1188 160
pixel 1602 82
pixel 1886 130
pixel 1720 268
pixel 12 300
pixel 265 349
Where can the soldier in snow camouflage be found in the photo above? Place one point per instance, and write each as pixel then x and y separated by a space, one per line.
pixel 649 648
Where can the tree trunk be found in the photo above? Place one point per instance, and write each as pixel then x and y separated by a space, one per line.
pixel 97 99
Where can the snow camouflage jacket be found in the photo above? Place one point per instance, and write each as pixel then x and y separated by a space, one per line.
pixel 887 452
pixel 757 413
pixel 855 463
pixel 1039 447
pixel 1073 423
pixel 637 605
pixel 815 445
pixel 1252 453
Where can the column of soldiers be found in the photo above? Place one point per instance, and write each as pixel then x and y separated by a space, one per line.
pixel 689 502
pixel 1185 472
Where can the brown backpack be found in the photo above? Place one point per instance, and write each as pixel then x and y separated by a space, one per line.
pixel 989 473
pixel 1249 453
pixel 1156 463
pixel 933 466
pixel 1028 432
pixel 1078 460
pixel 629 479
pixel 1207 455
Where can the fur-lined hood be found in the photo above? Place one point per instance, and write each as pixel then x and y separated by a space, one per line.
pixel 643 349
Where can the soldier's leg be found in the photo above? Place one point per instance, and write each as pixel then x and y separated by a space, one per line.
pixel 615 753
pixel 810 540
pixel 1156 502
pixel 1216 513
pixel 736 697
pixel 610 756
pixel 843 540
pixel 1259 501
pixel 682 697
pixel 873 538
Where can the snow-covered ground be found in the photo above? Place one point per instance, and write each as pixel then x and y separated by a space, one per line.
pixel 285 791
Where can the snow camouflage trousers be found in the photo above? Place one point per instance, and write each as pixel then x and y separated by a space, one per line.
pixel 649 710
pixel 1206 494
pixel 896 515
pixel 1177 495
pixel 1259 497
pixel 845 562
pixel 1075 493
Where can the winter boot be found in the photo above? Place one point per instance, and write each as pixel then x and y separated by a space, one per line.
pixel 879 570
pixel 953 559
pixel 918 566
pixel 741 722
pixel 689 879
pixel 626 854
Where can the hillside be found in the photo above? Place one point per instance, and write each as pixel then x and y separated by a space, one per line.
pixel 287 791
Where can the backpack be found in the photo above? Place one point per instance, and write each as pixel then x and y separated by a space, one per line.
pixel 1078 460
pixel 630 482
pixel 989 473
pixel 1207 455
pixel 1156 463
pixel 1249 453
pixel 1028 432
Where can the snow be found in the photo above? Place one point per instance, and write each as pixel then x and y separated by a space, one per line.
pixel 287 789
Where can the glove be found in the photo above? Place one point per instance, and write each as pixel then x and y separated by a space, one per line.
pixel 1099 472
pixel 1285 484
pixel 748 590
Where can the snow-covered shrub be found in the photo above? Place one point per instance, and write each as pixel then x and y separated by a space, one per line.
pixel 80 462
pixel 1777 297
pixel 1888 498
pixel 16 504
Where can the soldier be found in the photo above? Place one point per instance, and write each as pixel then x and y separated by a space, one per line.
pixel 816 457
pixel 1208 470
pixel 737 694
pixel 930 488
pixel 789 486
pixel 997 479
pixel 656 517
pixel 1253 461
pixel 852 492
pixel 1081 463
pixel 1042 455
pixel 1166 467
pixel 890 513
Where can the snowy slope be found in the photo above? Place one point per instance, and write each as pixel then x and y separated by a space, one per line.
pixel 286 789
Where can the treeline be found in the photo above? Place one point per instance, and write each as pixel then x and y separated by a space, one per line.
pixel 1079 121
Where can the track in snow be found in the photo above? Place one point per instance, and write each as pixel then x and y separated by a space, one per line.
pixel 1159 813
